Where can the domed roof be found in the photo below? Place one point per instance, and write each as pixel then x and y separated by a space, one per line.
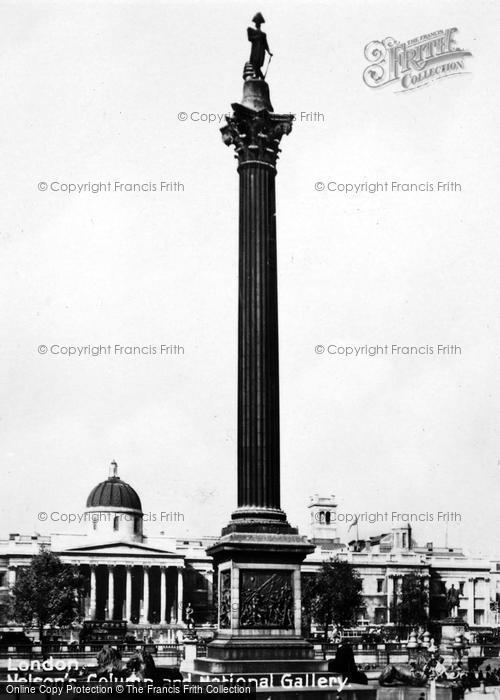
pixel 114 493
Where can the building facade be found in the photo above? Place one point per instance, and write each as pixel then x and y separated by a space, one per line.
pixel 149 581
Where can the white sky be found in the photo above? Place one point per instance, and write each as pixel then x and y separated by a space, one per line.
pixel 91 91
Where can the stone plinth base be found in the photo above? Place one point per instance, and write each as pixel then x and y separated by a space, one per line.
pixel 187 664
pixel 256 655
pixel 451 628
pixel 258 667
pixel 258 564
pixel 292 682
pixel 350 692
pixel 409 693
pixel 260 648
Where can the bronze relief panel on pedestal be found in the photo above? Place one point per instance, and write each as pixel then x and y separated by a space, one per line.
pixel 266 599
pixel 225 600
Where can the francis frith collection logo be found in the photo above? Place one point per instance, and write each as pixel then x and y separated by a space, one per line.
pixel 414 63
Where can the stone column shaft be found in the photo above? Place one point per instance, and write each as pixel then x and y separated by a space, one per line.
pixel 256 133
pixel 390 596
pixel 128 593
pixel 258 366
pixel 471 592
pixel 163 595
pixel 179 617
pixel 145 595
pixel 210 587
pixel 93 593
pixel 111 591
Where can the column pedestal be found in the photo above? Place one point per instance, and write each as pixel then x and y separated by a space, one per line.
pixel 259 616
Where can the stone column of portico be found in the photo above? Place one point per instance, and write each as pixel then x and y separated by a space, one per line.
pixel 163 595
pixel 12 577
pixel 145 595
pixel 490 596
pixel 93 592
pixel 128 593
pixel 471 601
pixel 179 617
pixel 111 591
pixel 427 595
pixel 390 595
pixel 209 575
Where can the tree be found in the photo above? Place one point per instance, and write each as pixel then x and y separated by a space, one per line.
pixel 334 596
pixel 48 592
pixel 411 609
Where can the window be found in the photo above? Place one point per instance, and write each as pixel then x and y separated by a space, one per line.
pixel 327 517
pixel 480 588
pixel 116 523
pixel 380 585
pixel 136 525
pixel 461 587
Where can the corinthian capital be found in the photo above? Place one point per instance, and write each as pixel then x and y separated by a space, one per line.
pixel 256 135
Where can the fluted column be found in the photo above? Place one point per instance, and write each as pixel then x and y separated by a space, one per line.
pixel 179 617
pixel 258 371
pixel 128 593
pixel 471 593
pixel 93 592
pixel 145 595
pixel 390 595
pixel 256 135
pixel 427 593
pixel 111 591
pixel 163 595
pixel 209 575
pixel 12 577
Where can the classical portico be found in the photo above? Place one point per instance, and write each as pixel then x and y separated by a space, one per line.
pixel 144 588
pixel 126 579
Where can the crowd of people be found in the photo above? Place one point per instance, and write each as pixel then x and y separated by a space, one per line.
pixel 417 673
pixel 467 678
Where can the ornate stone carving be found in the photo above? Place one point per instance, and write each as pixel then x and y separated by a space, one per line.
pixel 225 600
pixel 256 135
pixel 266 599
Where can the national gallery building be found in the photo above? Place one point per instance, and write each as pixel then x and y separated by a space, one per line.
pixel 148 581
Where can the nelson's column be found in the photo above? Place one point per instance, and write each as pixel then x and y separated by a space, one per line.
pixel 258 555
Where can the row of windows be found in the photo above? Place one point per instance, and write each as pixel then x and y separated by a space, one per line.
pixel 116 524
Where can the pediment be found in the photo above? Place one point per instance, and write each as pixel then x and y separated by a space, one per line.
pixel 120 548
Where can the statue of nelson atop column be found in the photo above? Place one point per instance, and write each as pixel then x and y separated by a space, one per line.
pixel 260 46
